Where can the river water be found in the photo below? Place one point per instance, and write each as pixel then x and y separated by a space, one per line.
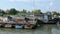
pixel 44 29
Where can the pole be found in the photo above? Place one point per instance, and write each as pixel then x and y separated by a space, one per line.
pixel 33 12
pixel 33 9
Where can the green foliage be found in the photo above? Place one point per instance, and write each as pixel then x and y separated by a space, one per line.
pixel 56 13
pixel 37 12
pixel 15 12
pixel 12 11
pixel 24 11
pixel 48 12
pixel 2 12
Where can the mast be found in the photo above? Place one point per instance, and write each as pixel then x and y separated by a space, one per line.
pixel 33 9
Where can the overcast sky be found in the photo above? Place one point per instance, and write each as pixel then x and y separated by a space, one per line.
pixel 44 5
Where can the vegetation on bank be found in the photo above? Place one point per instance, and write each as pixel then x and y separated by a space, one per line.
pixel 15 12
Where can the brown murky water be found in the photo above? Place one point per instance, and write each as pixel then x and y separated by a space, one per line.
pixel 45 29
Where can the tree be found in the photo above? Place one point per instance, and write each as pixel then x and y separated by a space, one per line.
pixel 37 12
pixel 24 11
pixel 2 12
pixel 48 12
pixel 54 13
pixel 12 11
pixel 29 12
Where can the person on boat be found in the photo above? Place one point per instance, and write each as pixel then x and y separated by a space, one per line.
pixel 26 19
pixel 9 18
pixel 38 21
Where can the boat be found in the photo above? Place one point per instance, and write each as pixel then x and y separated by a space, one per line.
pixel 19 26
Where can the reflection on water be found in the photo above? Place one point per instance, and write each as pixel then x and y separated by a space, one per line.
pixel 45 29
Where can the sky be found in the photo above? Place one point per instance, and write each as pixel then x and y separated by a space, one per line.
pixel 43 5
